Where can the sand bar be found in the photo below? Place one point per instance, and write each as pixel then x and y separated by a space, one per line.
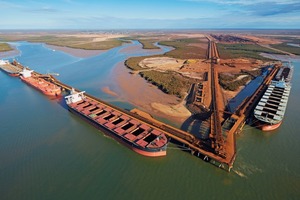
pixel 81 53
pixel 139 92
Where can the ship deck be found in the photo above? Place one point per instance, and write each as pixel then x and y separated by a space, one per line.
pixel 272 106
pixel 10 68
pixel 122 125
pixel 285 73
pixel 44 86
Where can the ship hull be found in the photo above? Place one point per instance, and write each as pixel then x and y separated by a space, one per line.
pixel 14 74
pixel 46 92
pixel 271 108
pixel 142 151
pixel 270 127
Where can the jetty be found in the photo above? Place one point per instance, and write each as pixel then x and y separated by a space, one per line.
pixel 220 148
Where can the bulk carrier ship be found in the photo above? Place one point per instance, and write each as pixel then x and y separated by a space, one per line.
pixel 40 84
pixel 10 68
pixel 137 136
pixel 271 108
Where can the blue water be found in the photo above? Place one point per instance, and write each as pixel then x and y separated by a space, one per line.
pixel 247 91
pixel 293 45
pixel 90 74
pixel 48 153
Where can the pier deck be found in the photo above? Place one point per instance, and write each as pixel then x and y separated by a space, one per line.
pixel 221 148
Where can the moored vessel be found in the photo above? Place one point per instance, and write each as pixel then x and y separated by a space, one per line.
pixel 9 68
pixel 40 84
pixel 136 135
pixel 271 108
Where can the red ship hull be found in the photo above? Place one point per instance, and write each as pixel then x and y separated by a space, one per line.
pixel 43 86
pixel 140 137
pixel 269 127
pixel 109 133
pixel 14 74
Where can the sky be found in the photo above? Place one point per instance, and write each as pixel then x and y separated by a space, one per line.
pixel 149 14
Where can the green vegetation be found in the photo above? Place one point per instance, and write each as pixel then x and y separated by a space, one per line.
pixel 295 40
pixel 225 77
pixel 148 44
pixel 228 81
pixel 253 73
pixel 287 48
pixel 188 48
pixel 230 51
pixel 169 82
pixel 77 43
pixel 234 85
pixel 184 49
pixel 101 45
pixel 72 42
pixel 133 62
pixel 5 47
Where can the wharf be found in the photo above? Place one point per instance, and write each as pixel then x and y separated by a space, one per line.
pixel 190 142
pixel 220 148
pixel 197 147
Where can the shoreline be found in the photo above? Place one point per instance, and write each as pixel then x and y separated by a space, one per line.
pixel 80 53
pixel 146 96
pixel 11 53
pixel 280 57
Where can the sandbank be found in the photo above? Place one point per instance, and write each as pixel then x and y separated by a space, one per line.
pixel 12 53
pixel 137 91
pixel 7 54
pixel 81 53
pixel 107 90
pixel 280 57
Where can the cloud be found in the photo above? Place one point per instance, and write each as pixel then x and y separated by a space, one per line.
pixel 43 10
pixel 135 23
pixel 271 9
pixel 257 7
pixel 246 2
pixel 184 23
pixel 27 8
pixel 9 5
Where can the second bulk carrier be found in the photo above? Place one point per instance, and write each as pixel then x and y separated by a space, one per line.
pixel 133 133
pixel 40 84
pixel 271 107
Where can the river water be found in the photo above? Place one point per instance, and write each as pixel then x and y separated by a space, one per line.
pixel 48 153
